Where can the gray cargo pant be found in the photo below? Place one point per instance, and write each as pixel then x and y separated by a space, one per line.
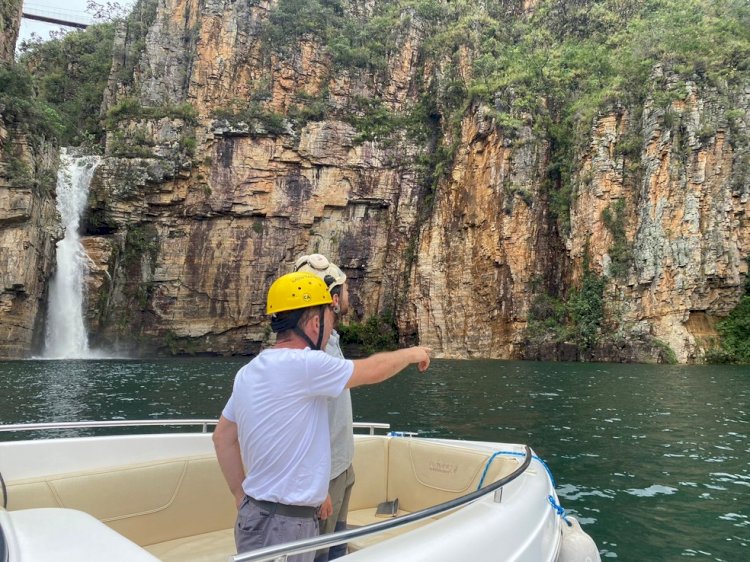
pixel 257 527
pixel 340 490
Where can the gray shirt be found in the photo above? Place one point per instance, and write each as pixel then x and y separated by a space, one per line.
pixel 340 419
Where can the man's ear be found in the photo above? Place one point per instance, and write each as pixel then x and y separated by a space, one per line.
pixel 336 307
pixel 312 324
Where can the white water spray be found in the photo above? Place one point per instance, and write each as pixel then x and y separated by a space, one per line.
pixel 66 336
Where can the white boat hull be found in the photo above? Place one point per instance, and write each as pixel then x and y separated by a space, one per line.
pixel 104 476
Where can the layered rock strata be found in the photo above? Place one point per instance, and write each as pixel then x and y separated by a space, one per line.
pixel 194 213
pixel 10 23
pixel 686 210
pixel 29 225
pixel 190 243
pixel 459 267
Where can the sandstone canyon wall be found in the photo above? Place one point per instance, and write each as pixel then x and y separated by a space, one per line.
pixel 29 226
pixel 221 168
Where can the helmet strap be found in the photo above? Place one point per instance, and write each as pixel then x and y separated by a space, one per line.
pixel 300 332
pixel 322 316
pixel 297 330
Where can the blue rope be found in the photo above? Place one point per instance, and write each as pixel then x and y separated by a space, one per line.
pixel 559 510
pixel 557 507
pixel 514 454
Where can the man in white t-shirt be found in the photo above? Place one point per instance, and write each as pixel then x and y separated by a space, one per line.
pixel 276 420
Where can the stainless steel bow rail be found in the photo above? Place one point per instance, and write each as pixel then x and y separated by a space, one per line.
pixel 204 423
pixel 280 553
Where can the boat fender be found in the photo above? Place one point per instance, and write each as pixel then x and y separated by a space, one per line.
pixel 577 546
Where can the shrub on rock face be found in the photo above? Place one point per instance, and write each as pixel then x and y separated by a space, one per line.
pixel 377 333
pixel 735 336
pixel 734 331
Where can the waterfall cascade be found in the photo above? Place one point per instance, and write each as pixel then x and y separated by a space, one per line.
pixel 66 336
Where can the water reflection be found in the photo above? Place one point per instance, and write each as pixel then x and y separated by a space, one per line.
pixel 63 390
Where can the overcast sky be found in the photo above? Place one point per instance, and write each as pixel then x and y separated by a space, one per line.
pixel 74 9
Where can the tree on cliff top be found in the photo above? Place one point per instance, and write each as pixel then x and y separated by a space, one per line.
pixel 71 72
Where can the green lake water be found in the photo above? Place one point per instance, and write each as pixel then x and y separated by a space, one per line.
pixel 654 460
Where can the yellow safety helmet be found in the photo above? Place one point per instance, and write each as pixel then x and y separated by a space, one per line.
pixel 296 290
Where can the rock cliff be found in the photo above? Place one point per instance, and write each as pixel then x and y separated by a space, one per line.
pixel 684 202
pixel 228 155
pixel 458 262
pixel 10 22
pixel 29 226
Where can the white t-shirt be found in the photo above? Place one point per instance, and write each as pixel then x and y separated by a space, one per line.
pixel 340 419
pixel 279 403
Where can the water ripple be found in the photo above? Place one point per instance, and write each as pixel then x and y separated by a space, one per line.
pixel 651 491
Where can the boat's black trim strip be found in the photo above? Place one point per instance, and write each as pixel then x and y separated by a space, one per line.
pixel 325 541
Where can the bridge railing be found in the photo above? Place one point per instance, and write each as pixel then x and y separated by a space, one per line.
pixel 57 16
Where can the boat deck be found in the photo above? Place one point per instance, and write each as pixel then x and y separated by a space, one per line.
pixel 179 508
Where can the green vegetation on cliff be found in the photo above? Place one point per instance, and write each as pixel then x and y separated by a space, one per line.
pixel 620 252
pixel 734 330
pixel 377 333
pixel 578 319
pixel 551 65
pixel 735 335
pixel 27 119
pixel 71 73
pixel 21 108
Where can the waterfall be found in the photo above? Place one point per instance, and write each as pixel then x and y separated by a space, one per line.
pixel 66 336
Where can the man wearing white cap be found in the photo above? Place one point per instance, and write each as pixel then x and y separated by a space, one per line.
pixel 339 410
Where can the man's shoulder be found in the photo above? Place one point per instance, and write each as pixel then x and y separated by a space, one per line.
pixel 276 356
pixel 295 354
